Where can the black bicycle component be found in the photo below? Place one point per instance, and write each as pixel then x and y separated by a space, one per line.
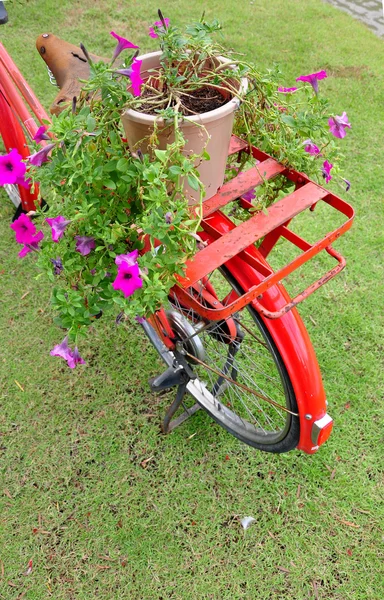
pixel 3 14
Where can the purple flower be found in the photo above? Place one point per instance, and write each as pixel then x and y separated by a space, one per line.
pixel 134 74
pixel 24 229
pixel 168 218
pixel 313 79
pixel 12 169
pixel 57 265
pixel 159 27
pixel 311 148
pixel 84 244
pixel 32 246
pixel 127 259
pixel 41 156
pixel 249 196
pixel 284 90
pixel 326 170
pixel 40 134
pixel 338 125
pixel 128 278
pixel 58 225
pixel 140 320
pixel 122 44
pixel 64 351
pixel 75 359
pixel 119 318
pixel 347 184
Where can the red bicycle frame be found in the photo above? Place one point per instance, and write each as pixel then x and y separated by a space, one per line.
pixel 230 246
pixel 15 118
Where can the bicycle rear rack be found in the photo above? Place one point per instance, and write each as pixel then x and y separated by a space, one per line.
pixel 239 240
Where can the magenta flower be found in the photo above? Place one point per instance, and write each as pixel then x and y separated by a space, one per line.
pixel 32 246
pixel 58 225
pixel 122 44
pixel 75 359
pixel 24 229
pixel 326 170
pixel 23 182
pixel 40 134
pixel 128 278
pixel 134 74
pixel 127 259
pixel 311 148
pixel 338 125
pixel 12 169
pixel 249 196
pixel 285 90
pixel 313 79
pixel 41 156
pixel 158 25
pixel 84 244
pixel 64 351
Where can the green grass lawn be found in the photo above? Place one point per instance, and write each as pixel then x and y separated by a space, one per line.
pixel 104 505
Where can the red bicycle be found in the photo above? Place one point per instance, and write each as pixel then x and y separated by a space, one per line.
pixel 230 335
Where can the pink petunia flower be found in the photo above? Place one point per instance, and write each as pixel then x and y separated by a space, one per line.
pixel 24 229
pixel 311 148
pixel 75 359
pixel 284 90
pixel 159 27
pixel 64 351
pixel 313 79
pixel 32 246
pixel 127 259
pixel 84 244
pixel 338 125
pixel 12 169
pixel 128 278
pixel 41 156
pixel 326 170
pixel 40 134
pixel 122 44
pixel 58 225
pixel 133 72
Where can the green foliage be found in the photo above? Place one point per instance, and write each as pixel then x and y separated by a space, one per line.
pixel 121 199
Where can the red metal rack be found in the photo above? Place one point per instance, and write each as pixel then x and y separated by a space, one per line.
pixel 239 240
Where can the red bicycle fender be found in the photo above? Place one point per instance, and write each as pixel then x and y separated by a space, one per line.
pixel 290 336
pixel 293 342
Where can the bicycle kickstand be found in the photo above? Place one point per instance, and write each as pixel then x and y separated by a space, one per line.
pixel 174 376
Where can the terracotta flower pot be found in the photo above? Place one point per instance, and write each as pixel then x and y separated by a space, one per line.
pixel 217 125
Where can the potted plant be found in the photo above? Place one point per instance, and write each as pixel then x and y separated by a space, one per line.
pixel 111 194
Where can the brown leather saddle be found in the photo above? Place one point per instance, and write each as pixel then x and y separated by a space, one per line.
pixel 68 65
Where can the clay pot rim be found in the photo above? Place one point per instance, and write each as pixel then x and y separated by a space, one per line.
pixel 212 115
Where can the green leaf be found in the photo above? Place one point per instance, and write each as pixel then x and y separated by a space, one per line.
pixel 161 155
pixel 175 170
pixel 192 181
pixel 109 184
pixel 91 124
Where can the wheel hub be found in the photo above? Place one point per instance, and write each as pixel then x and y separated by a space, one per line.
pixel 187 334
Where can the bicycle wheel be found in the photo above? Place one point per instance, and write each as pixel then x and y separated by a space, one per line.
pixel 241 380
